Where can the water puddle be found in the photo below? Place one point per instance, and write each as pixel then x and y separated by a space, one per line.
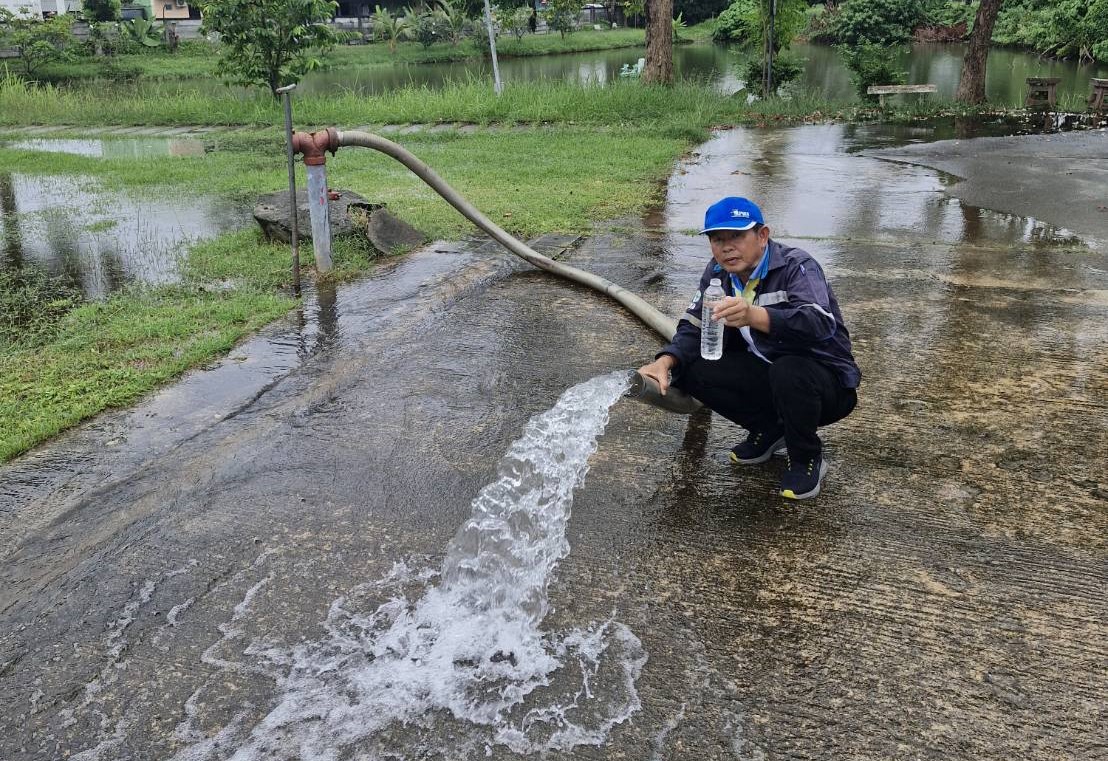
pixel 100 240
pixel 452 661
pixel 115 148
pixel 812 184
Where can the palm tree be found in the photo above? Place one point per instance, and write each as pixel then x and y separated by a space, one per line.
pixel 454 19
pixel 391 28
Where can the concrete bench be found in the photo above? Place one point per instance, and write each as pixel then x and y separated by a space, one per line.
pixel 1098 101
pixel 882 90
pixel 1042 92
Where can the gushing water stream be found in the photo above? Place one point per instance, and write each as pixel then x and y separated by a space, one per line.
pixel 454 668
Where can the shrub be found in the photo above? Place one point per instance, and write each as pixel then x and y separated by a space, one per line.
pixel 884 22
pixel 873 64
pixel 269 42
pixel 820 26
pixel 36 41
pixel 515 21
pixel 562 15
pixel 786 68
pixel 1060 28
pixel 426 28
pixel 744 22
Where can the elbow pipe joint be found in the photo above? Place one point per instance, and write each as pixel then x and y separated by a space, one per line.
pixel 314 145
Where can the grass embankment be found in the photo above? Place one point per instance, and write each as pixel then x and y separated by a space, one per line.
pixel 198 59
pixel 103 355
pixel 686 108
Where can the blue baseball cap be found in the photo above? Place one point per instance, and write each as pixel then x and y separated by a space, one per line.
pixel 732 213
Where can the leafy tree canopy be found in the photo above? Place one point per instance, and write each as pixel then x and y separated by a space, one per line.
pixel 270 43
pixel 884 22
pixel 1061 28
pixel 747 22
pixel 35 40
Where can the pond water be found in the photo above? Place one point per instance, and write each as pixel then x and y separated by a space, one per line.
pixel 938 64
pixel 100 240
pixel 127 148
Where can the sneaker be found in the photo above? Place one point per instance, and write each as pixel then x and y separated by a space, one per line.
pixel 803 477
pixel 758 447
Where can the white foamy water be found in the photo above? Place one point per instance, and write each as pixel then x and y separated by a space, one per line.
pixel 454 663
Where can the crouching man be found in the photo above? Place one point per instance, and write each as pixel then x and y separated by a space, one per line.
pixel 786 368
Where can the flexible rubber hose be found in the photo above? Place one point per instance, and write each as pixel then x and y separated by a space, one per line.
pixel 663 325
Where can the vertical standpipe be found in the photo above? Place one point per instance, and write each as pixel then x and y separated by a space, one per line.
pixel 321 220
pixel 293 222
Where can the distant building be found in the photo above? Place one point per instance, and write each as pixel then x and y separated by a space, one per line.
pixel 33 7
pixel 174 10
pixel 41 8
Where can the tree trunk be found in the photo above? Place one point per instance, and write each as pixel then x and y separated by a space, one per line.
pixel 658 69
pixel 971 87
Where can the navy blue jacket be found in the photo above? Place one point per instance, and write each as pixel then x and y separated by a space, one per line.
pixel 804 317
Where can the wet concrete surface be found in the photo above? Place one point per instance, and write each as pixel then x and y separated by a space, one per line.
pixel 1061 179
pixel 944 597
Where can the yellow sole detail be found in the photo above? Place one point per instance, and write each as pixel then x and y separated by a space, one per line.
pixel 788 494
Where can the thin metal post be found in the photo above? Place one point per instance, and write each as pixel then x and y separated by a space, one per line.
pixel 770 43
pixel 492 47
pixel 293 222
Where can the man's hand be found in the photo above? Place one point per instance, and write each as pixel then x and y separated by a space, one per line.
pixel 659 371
pixel 736 313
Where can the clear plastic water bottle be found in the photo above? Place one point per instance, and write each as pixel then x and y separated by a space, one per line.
pixel 711 331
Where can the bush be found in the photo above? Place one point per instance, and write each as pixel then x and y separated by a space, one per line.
pixel 786 68
pixel 562 15
pixel 732 25
pixel 950 13
pixel 884 22
pixel 1060 28
pixel 742 22
pixel 36 41
pixel 427 28
pixel 515 21
pixel 873 64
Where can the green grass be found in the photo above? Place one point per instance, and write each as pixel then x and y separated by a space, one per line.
pixel 619 103
pixel 109 354
pixel 105 355
pixel 684 109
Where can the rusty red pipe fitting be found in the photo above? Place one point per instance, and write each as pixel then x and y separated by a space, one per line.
pixel 314 145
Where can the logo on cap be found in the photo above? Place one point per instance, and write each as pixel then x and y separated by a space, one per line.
pixel 732 213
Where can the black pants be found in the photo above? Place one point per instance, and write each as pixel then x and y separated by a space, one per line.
pixel 795 392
